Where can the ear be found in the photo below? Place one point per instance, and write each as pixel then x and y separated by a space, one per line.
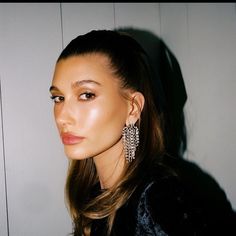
pixel 136 104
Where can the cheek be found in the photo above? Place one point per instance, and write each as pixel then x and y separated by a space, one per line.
pixel 92 117
pixel 101 127
pixel 105 117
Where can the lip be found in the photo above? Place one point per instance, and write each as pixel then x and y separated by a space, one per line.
pixel 70 139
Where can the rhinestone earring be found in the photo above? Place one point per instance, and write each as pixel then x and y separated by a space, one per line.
pixel 130 135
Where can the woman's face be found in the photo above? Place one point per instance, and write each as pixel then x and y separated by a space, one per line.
pixel 90 111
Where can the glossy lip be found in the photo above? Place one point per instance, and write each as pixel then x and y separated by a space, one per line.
pixel 70 139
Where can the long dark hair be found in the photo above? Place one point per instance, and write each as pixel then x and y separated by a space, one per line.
pixel 128 61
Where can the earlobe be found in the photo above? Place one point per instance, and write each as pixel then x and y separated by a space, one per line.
pixel 136 106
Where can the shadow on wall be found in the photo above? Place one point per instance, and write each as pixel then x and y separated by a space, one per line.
pixel 169 82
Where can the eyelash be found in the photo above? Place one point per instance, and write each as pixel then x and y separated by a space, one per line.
pixel 54 98
pixel 88 96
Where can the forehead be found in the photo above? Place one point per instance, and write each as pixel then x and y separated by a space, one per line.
pixel 94 66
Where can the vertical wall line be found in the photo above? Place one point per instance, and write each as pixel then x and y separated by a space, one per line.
pixel 187 22
pixel 114 15
pixel 235 8
pixel 159 7
pixel 4 159
pixel 62 32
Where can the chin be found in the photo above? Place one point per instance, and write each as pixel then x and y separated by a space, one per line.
pixel 74 154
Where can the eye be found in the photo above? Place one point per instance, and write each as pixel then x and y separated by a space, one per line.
pixel 57 99
pixel 86 96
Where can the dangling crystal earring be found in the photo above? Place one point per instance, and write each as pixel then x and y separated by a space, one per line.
pixel 130 135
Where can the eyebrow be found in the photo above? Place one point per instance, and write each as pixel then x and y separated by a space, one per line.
pixel 53 88
pixel 77 84
pixel 85 81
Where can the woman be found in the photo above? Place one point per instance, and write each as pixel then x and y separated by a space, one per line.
pixel 112 133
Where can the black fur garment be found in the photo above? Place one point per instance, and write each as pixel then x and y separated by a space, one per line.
pixel 165 204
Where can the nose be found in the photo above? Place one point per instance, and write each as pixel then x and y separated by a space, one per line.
pixel 64 114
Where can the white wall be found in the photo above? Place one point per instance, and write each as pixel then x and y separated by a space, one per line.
pixel 202 36
pixel 35 165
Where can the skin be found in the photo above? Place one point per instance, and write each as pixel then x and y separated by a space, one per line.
pixel 89 103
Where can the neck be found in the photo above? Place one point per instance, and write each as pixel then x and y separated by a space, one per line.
pixel 110 165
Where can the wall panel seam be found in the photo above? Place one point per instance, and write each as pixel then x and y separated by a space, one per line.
pixel 4 159
pixel 62 32
pixel 114 15
pixel 159 9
